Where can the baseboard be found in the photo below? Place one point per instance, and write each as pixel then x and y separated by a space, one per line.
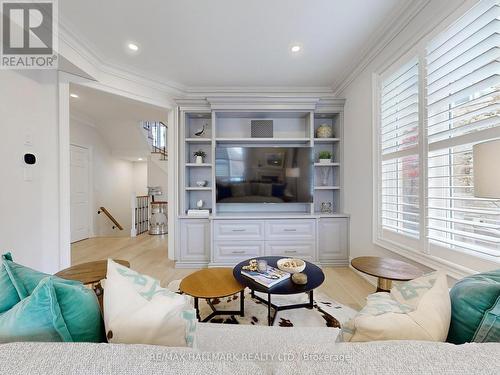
pixel 333 263
pixel 180 264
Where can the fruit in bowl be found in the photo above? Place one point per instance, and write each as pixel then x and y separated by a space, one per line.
pixel 291 265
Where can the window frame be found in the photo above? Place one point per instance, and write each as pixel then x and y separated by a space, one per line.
pixel 457 262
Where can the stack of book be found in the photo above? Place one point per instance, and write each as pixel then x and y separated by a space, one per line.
pixel 199 213
pixel 271 277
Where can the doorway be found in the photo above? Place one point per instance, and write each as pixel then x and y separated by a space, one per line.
pixel 79 193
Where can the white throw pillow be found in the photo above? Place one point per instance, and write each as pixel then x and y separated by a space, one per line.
pixel 138 311
pixel 424 316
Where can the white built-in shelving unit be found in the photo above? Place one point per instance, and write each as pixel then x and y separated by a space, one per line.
pixel 205 241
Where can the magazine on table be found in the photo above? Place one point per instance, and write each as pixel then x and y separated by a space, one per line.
pixel 271 277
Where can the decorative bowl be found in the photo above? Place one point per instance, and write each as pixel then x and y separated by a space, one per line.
pixel 324 131
pixel 291 265
pixel 201 183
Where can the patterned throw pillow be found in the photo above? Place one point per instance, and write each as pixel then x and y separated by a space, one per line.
pixel 138 311
pixel 417 310
pixel 381 303
pixel 410 292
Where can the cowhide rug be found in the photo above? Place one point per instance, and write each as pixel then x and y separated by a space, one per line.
pixel 325 313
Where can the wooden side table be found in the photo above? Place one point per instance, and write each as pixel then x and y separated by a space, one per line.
pixel 90 273
pixel 212 283
pixel 387 270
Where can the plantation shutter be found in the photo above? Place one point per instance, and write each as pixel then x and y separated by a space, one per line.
pixel 399 169
pixel 463 108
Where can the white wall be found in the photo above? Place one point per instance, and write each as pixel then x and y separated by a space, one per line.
pixel 358 178
pixel 29 217
pixel 140 177
pixel 158 175
pixel 114 180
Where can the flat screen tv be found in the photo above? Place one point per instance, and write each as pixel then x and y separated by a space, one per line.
pixel 264 174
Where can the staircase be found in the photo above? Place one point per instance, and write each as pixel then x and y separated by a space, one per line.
pixel 157 137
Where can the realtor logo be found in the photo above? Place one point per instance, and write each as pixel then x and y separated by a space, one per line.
pixel 28 34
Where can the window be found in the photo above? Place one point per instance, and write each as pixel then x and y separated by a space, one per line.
pixel 460 106
pixel 399 168
pixel 463 106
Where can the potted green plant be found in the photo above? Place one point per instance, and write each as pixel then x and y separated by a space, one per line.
pixel 325 157
pixel 200 155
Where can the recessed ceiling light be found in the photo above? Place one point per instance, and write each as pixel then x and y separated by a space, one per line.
pixel 140 159
pixel 295 48
pixel 133 47
pixel 74 96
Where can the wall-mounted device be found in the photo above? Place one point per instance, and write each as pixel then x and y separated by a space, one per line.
pixel 29 159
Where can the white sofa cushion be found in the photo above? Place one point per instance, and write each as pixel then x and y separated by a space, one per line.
pixel 424 316
pixel 138 311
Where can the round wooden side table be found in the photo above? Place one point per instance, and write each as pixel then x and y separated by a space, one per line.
pixel 90 273
pixel 386 270
pixel 212 283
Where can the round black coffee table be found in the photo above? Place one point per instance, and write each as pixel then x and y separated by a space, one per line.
pixel 315 278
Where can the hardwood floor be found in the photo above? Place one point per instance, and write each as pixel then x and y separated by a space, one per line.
pixel 148 255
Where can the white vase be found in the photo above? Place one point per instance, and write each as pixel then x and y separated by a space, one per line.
pixel 199 160
pixel 325 161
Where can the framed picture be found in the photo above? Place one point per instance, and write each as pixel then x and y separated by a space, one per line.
pixel 275 159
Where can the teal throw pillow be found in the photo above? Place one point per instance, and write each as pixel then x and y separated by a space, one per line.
pixel 35 318
pixel 473 301
pixel 79 305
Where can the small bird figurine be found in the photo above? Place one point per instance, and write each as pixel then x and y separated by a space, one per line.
pixel 200 133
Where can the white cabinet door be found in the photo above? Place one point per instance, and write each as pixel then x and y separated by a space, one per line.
pixel 195 240
pixel 333 234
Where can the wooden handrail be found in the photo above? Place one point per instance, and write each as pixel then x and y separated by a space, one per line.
pixel 117 224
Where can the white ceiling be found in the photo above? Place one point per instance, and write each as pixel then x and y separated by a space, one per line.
pixel 231 43
pixel 116 118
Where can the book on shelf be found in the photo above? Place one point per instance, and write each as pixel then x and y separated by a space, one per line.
pixel 198 213
pixel 271 277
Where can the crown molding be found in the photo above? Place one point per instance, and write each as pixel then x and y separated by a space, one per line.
pixel 396 23
pixel 259 90
pixel 263 102
pixel 332 104
pixel 194 104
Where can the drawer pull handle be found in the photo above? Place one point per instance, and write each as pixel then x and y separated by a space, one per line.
pixel 239 230
pixel 290 251
pixel 290 230
pixel 239 252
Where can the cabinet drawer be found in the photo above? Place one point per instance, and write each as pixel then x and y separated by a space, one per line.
pixel 237 251
pixel 290 229
pixel 238 230
pixel 303 250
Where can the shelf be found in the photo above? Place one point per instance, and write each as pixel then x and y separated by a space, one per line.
pixel 198 140
pixel 262 140
pixel 327 188
pixel 326 140
pixel 206 165
pixel 196 188
pixel 327 164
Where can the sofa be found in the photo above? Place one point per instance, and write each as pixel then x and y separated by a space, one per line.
pixel 234 349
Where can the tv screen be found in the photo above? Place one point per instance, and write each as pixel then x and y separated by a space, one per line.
pixel 264 174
